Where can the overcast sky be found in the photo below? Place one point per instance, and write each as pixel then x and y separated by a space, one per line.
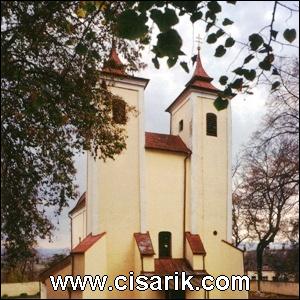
pixel 165 84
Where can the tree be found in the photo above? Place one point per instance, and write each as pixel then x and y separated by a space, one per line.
pixel 52 103
pixel 22 269
pixel 268 191
pixel 54 259
pixel 240 226
pixel 51 106
pixel 282 118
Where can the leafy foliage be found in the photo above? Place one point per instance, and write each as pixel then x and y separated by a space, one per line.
pixel 52 106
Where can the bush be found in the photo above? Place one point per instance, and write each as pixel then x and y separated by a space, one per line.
pixel 23 295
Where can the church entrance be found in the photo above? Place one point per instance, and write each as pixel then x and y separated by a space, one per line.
pixel 164 241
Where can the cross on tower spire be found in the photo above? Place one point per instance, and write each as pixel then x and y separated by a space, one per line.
pixel 199 42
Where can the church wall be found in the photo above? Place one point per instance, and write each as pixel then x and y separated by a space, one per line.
pixel 78 227
pixel 164 190
pixel 182 112
pixel 226 260
pixel 59 294
pixel 96 264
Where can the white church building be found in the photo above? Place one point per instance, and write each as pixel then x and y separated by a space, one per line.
pixel 164 204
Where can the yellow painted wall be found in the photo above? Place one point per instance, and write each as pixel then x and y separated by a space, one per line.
pixel 115 186
pixel 15 289
pixel 78 227
pixel 225 260
pixel 281 288
pixel 59 294
pixel 183 112
pixel 96 264
pixel 214 181
pixel 164 189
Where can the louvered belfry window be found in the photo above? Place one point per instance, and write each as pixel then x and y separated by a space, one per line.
pixel 211 124
pixel 181 125
pixel 119 111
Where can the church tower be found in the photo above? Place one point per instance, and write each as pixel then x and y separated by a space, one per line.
pixel 206 131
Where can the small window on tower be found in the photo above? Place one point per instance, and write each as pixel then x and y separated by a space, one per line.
pixel 181 125
pixel 211 124
pixel 119 111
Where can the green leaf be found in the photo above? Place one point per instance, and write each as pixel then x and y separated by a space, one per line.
pixel 255 41
pixel 211 15
pixel 267 62
pixel 248 58
pixel 145 5
pixel 89 6
pixel 290 35
pixel 196 16
pixel 165 20
pixel 221 103
pixel 81 49
pixel 130 25
pixel 171 61
pixel 275 85
pixel 185 66
pixel 220 32
pixel 237 84
pixel 250 74
pixel 227 22
pixel 168 44
pixel 274 34
pixel 214 6
pixel 267 48
pixel 155 62
pixel 229 42
pixel 265 65
pixel 239 71
pixel 212 38
pixel 220 51
pixel 208 26
pixel 223 80
pixel 231 2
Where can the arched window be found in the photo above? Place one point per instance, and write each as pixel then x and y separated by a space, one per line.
pixel 211 124
pixel 164 242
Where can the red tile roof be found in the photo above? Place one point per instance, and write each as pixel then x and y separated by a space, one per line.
pixel 144 243
pixel 166 142
pixel 168 266
pixel 80 204
pixel 199 81
pixel 200 78
pixel 195 243
pixel 113 64
pixel 87 243
pixel 199 70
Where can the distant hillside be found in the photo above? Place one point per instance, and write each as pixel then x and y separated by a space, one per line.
pixel 48 252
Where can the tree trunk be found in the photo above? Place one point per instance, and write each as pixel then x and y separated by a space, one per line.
pixel 259 263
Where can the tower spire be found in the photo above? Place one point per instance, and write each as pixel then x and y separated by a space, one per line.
pixel 200 78
pixel 114 64
pixel 199 70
